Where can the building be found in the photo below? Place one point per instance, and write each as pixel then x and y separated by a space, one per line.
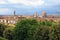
pixel 44 14
pixel 35 15
pixel 12 19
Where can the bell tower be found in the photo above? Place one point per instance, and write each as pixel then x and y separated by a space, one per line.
pixel 14 13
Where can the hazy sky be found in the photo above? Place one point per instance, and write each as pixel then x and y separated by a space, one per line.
pixel 28 7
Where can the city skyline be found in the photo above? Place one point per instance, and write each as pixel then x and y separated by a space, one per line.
pixel 29 7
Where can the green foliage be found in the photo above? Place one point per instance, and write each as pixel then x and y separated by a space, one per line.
pixel 46 32
pixel 30 29
pixel 2 38
pixel 42 33
pixel 25 29
pixel 2 28
pixel 4 33
pixel 8 34
pixel 46 23
pixel 55 33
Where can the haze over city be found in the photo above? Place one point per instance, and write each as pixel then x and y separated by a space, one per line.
pixel 29 7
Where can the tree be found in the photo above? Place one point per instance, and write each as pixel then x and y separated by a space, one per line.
pixel 2 28
pixel 42 33
pixel 8 34
pixel 46 23
pixel 25 29
pixel 30 29
pixel 54 33
pixel 2 38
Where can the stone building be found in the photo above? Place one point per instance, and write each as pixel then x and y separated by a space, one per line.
pixel 44 14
